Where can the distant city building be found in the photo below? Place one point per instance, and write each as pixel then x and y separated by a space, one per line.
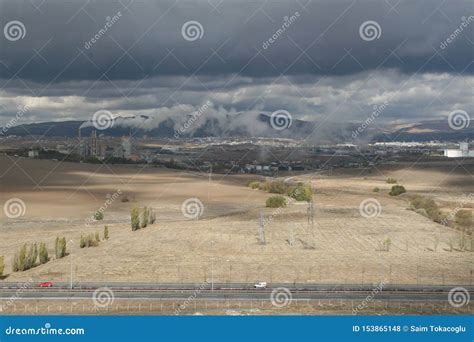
pixel 33 154
pixel 462 152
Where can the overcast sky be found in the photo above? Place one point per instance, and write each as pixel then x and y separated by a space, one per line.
pixel 311 58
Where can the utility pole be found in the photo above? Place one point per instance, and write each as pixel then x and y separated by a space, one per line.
pixel 70 254
pixel 209 183
pixel 311 214
pixel 212 266
pixel 262 229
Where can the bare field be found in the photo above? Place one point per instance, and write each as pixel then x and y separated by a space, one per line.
pixel 341 247
pixel 229 308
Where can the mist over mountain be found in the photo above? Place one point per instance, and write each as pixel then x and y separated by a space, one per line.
pixel 247 125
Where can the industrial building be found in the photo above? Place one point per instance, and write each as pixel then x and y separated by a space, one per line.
pixel 462 152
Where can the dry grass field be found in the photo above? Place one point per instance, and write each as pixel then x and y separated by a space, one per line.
pixel 341 247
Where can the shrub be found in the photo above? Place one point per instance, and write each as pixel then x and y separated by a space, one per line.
pixel 135 219
pixel 391 180
pixel 463 219
pixel 426 207
pixel 277 187
pixel 97 236
pixel 2 265
pixel 276 202
pixel 89 240
pixel 124 199
pixel 254 184
pixel 301 192
pixel 376 189
pixel 397 190
pixel 106 233
pixel 98 216
pixel 43 253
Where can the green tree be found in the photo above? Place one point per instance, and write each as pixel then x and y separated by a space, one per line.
pixel 152 216
pixel 22 258
pixel 60 247
pixel 31 257
pixel 144 220
pixel 135 219
pixel 43 253
pixel 106 233
pixel 82 242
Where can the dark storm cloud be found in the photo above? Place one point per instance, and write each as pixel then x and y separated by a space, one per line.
pixel 146 39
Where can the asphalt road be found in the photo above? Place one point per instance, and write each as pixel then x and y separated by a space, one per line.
pixel 234 291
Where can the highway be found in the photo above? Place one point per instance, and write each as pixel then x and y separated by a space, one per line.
pixel 233 291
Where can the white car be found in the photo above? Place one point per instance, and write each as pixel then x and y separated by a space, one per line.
pixel 261 285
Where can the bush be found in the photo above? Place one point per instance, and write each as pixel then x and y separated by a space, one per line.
pixel 463 219
pixel 376 189
pixel 301 192
pixel 254 184
pixel 427 207
pixel 2 265
pixel 135 219
pixel 397 190
pixel 43 253
pixel 98 216
pixel 276 202
pixel 277 187
pixel 106 233
pixel 391 180
pixel 124 199
pixel 90 240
